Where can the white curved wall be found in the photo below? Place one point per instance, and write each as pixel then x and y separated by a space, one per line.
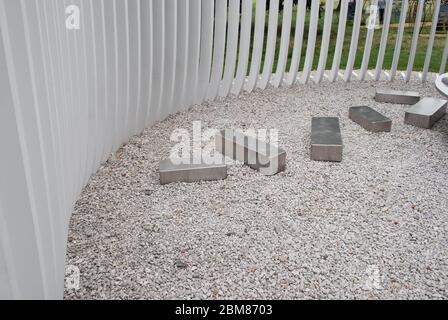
pixel 68 98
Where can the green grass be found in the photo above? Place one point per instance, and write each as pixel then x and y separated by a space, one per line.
pixel 438 47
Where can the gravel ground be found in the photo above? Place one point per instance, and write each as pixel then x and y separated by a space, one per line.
pixel 372 227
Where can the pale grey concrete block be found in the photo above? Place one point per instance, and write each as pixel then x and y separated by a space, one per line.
pixel 326 140
pixel 370 119
pixel 426 113
pixel 170 172
pixel 264 157
pixel 397 97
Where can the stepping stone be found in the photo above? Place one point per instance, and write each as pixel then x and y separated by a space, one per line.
pixel 264 157
pixel 326 141
pixel 397 97
pixel 426 113
pixel 370 119
pixel 183 172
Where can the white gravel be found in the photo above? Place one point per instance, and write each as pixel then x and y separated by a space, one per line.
pixel 372 227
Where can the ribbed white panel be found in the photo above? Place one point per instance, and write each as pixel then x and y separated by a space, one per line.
pixel 71 97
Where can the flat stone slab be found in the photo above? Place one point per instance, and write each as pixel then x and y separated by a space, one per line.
pixel 326 140
pixel 261 156
pixel 397 97
pixel 370 119
pixel 171 172
pixel 426 112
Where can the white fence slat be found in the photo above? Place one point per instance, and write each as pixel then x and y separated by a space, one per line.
pixel 384 38
pixel 109 30
pixel 205 59
pixel 284 43
pixel 219 43
pixel 298 41
pixel 339 41
pixel 325 41
pixel 158 49
pixel 310 47
pixel 399 40
pixel 71 97
pixel 444 57
pixel 244 46
pixel 354 41
pixel 270 45
pixel 148 50
pixel 181 62
pixel 98 21
pixel 86 96
pixel 194 45
pixel 434 20
pixel 231 47
pixel 138 35
pixel 260 13
pixel 415 36
pixel 368 46
pixel 170 53
pixel 120 43
pixel 128 36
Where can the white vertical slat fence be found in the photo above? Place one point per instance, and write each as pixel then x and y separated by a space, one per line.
pixel 71 97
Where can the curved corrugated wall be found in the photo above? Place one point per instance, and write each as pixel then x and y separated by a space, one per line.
pixel 70 97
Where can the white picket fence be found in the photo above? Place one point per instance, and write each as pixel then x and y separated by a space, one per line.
pixel 71 97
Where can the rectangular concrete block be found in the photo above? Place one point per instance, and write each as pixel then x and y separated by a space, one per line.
pixel 264 157
pixel 370 119
pixel 189 172
pixel 326 140
pixel 397 97
pixel 426 112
